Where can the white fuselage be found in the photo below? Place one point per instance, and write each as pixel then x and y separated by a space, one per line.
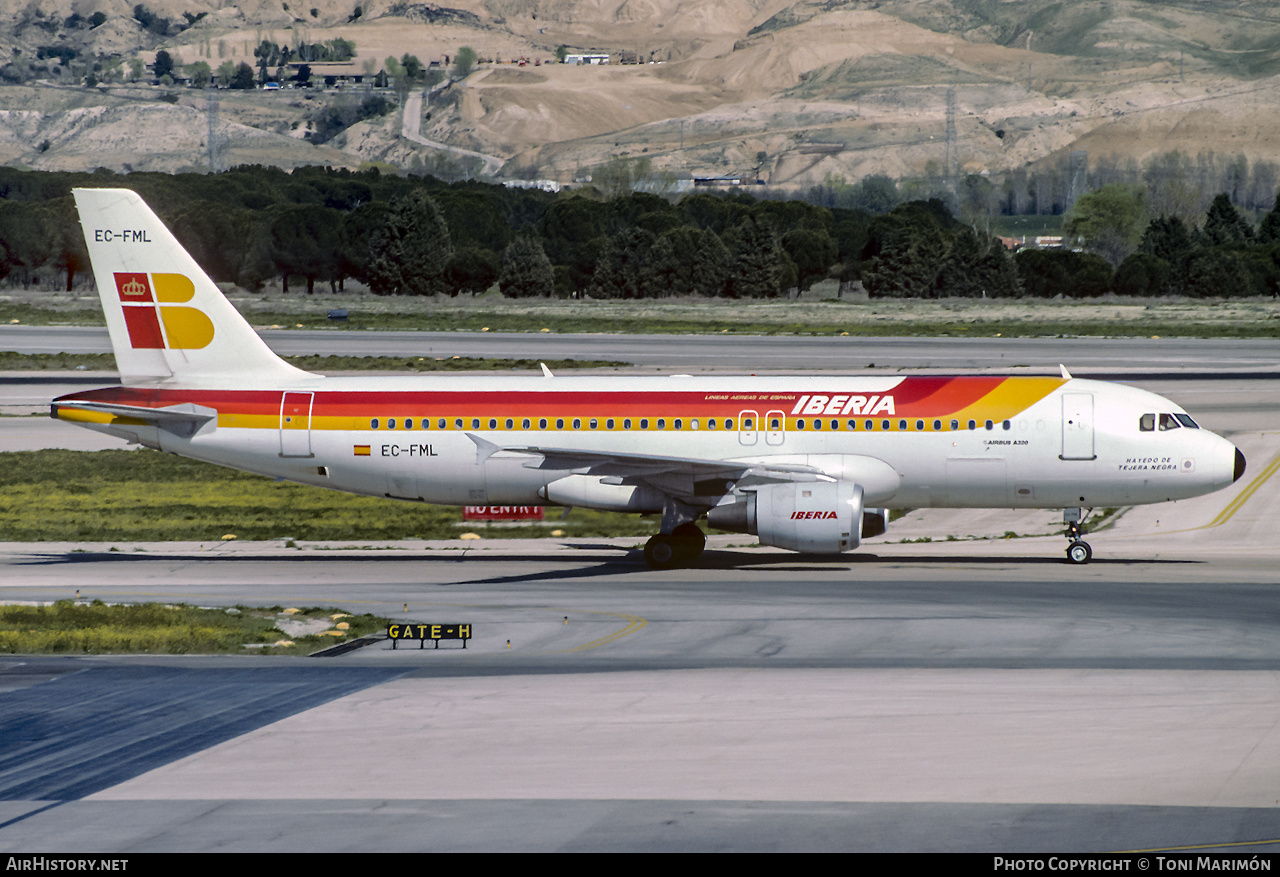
pixel 1081 443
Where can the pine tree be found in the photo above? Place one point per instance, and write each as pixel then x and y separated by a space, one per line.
pixel 623 267
pixel 710 270
pixel 526 270
pixel 913 252
pixel 411 251
pixel 754 269
pixel 1224 225
pixel 1269 230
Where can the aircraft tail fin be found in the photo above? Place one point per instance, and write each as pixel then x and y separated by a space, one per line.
pixel 168 321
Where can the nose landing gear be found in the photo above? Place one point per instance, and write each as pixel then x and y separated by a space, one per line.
pixel 1078 551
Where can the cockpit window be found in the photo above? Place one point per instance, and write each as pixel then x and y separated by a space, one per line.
pixel 1147 423
pixel 1186 421
pixel 1168 421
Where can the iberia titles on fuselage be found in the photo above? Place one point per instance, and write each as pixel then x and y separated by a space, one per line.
pixel 806 463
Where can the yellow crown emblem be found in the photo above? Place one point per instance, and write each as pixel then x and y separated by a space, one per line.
pixel 133 287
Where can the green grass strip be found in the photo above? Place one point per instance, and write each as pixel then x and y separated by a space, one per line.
pixel 858 324
pixel 144 496
pixel 98 628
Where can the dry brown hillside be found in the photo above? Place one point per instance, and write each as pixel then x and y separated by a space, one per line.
pixel 821 88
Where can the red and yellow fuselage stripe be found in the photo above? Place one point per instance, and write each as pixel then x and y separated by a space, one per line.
pixel 927 398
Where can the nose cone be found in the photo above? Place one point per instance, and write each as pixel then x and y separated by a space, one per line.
pixel 1239 470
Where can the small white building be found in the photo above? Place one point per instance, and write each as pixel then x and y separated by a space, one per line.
pixel 586 59
pixel 545 185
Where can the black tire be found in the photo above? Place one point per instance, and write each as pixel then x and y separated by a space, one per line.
pixel 691 540
pixel 662 552
pixel 1079 552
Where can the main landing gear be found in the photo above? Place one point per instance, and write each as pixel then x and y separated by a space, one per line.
pixel 681 547
pixel 1078 551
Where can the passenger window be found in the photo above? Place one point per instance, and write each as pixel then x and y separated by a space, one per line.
pixel 919 426
pixel 711 423
pixel 524 424
pixel 442 423
pixel 728 423
pixel 973 424
pixel 955 424
pixel 773 424
pixel 1008 426
pixel 373 424
pixel 679 424
pixel 559 423
pixel 853 424
pixel 391 423
pixel 644 423
pixel 475 423
pixel 457 423
pixel 626 424
pixel 577 423
pixel 835 424
pixel 1168 421
pixel 408 423
pixel 884 424
pixel 870 425
pixel 542 423
pixel 662 423
pixel 608 424
pixel 902 425
pixel 937 425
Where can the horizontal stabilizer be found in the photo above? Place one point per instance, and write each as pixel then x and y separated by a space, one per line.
pixel 184 420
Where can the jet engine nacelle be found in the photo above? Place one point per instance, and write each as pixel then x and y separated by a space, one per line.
pixel 818 517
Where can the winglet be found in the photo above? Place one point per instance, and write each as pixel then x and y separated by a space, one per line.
pixel 546 372
pixel 1066 375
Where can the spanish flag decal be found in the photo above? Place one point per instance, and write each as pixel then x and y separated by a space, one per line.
pixel 362 450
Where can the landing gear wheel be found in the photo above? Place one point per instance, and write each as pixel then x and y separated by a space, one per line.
pixel 691 540
pixel 1079 552
pixel 662 552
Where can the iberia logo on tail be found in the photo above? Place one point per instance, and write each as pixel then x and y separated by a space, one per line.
pixel 154 315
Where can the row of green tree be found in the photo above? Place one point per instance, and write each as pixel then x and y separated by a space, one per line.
pixel 417 235
pixel 1173 183
pixel 1164 254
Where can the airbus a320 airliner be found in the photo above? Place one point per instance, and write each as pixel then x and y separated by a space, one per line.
pixel 810 464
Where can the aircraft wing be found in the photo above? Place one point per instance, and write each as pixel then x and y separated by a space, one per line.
pixel 681 477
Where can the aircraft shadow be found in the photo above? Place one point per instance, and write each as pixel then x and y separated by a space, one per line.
pixel 616 563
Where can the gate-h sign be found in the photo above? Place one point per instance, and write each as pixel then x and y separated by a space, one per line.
pixel 424 632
